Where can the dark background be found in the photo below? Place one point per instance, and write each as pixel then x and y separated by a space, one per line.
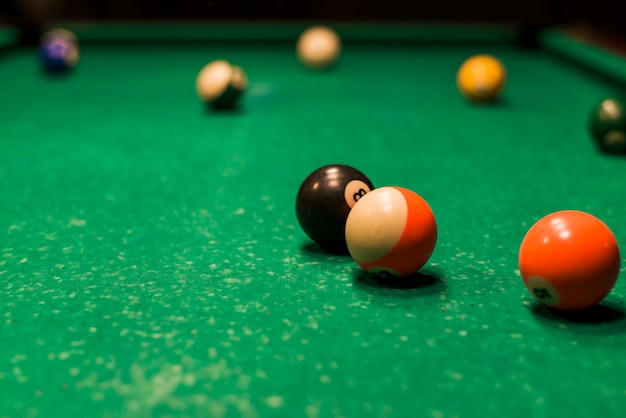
pixel 607 15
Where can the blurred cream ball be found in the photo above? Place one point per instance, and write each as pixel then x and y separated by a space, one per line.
pixel 318 47
pixel 220 80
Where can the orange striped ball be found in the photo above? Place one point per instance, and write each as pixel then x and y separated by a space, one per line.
pixel 391 231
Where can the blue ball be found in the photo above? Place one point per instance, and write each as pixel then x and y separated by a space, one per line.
pixel 58 54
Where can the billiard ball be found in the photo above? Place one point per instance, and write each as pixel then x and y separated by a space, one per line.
pixel 391 232
pixel 221 84
pixel 569 260
pixel 58 54
pixel 59 33
pixel 324 200
pixel 607 124
pixel 481 78
pixel 318 47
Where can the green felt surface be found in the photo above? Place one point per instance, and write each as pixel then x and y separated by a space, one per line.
pixel 151 263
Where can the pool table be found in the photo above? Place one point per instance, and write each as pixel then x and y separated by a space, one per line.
pixel 151 262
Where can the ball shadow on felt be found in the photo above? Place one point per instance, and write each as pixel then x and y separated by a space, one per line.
pixel 58 73
pixel 598 314
pixel 224 108
pixel 317 250
pixel 423 283
pixel 501 102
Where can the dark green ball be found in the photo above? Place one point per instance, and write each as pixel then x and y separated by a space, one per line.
pixel 608 125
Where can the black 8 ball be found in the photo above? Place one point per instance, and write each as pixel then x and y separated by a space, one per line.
pixel 324 201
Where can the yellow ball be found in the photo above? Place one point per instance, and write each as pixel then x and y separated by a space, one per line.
pixel 318 47
pixel 221 84
pixel 481 78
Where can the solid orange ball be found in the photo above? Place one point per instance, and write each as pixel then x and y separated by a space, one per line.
pixel 569 260
pixel 481 78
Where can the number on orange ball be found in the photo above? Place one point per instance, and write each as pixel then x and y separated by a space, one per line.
pixel 569 260
pixel 391 231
